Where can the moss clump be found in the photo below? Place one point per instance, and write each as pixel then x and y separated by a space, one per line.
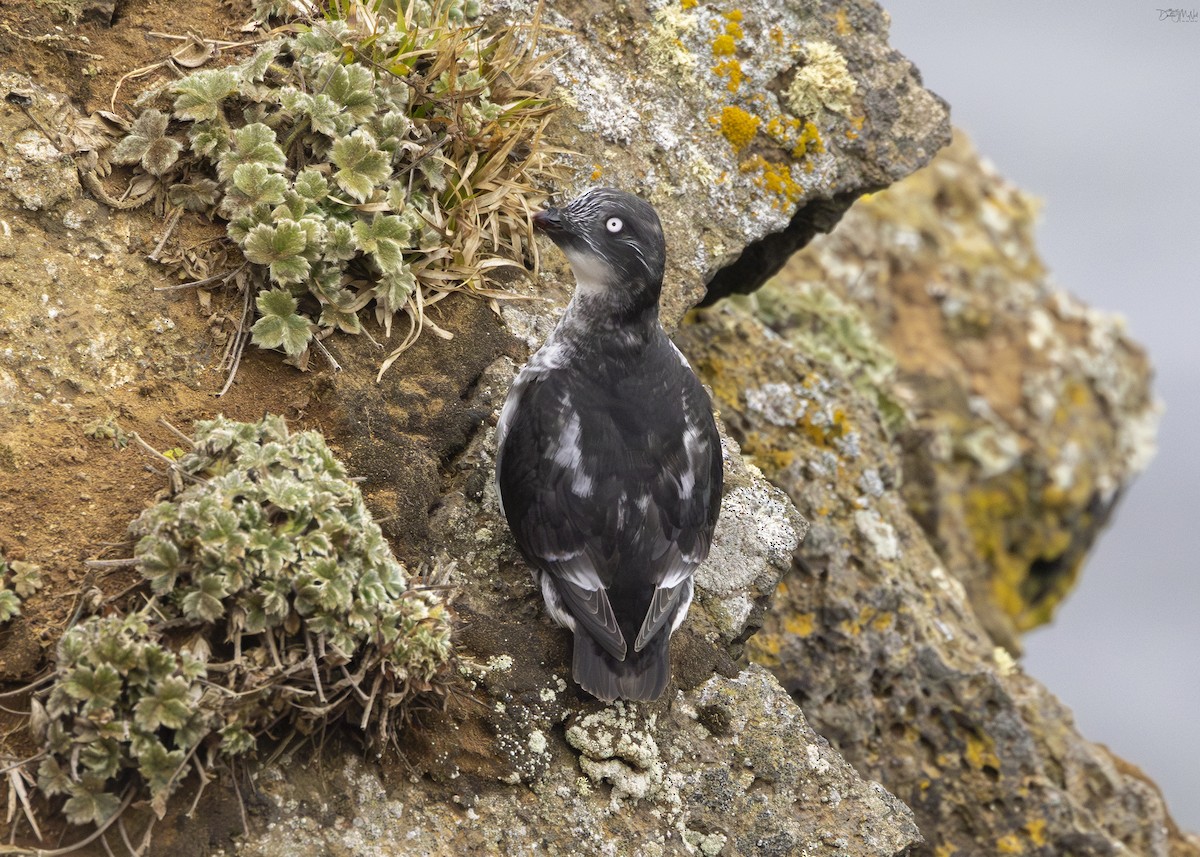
pixel 275 606
pixel 371 161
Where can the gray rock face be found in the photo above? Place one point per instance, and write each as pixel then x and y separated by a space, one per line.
pixel 873 633
pixel 750 126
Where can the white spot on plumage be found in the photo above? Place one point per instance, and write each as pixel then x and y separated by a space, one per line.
pixel 568 454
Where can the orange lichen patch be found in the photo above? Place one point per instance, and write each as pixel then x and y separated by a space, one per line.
pixel 1037 831
pixel 1009 844
pixel 808 143
pixel 980 754
pixel 782 129
pixel 800 624
pixel 775 34
pixel 856 124
pixel 824 433
pixel 738 127
pixel 732 71
pixel 724 46
pixel 775 178
pixel 841 23
pixel 597 171
pixel 687 4
pixel 764 648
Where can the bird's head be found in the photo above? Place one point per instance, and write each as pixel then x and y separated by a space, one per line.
pixel 614 242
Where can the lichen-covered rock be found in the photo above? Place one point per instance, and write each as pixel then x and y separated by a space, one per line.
pixel 729 767
pixel 751 126
pixel 1021 413
pixel 725 764
pixel 872 635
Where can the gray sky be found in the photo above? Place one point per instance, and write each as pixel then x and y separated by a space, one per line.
pixel 1095 108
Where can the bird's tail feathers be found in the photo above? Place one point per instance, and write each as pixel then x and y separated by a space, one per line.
pixel 641 676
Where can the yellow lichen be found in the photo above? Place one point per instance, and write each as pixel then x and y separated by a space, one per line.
pixel 738 126
pixel 979 753
pixel 1028 538
pixel 823 84
pixel 841 23
pixel 1009 844
pixel 732 71
pixel 597 171
pixel 764 648
pixel 687 4
pixel 1037 831
pixel 808 143
pixel 724 46
pixel 800 624
pixel 776 179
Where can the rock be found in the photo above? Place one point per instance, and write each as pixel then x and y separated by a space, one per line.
pixel 730 767
pixel 770 119
pixel 872 633
pixel 1027 413
pixel 752 129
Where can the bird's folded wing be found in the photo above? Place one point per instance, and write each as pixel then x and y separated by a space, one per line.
pixel 662 607
pixel 591 608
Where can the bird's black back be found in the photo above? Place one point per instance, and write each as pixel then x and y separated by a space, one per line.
pixel 625 509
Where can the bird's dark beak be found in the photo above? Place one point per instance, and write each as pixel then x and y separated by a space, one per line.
pixel 549 221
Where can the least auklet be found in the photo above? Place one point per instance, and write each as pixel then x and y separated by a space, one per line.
pixel 608 461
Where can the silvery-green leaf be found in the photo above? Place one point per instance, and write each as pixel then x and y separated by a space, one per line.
pixel 325 117
pixel 255 68
pixel 10 605
pixel 208 139
pixel 161 155
pixel 393 289
pixel 311 185
pixel 170 705
pixel 254 143
pixel 350 87
pixel 332 317
pixel 279 247
pixel 361 165
pixel 339 242
pixel 257 185
pixel 384 239
pixel 433 171
pixel 90 804
pixel 280 325
pixel 196 195
pixel 199 95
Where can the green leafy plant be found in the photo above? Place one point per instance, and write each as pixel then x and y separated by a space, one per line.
pixel 379 158
pixel 121 700
pixel 274 606
pixel 18 580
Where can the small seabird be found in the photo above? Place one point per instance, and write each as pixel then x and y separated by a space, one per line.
pixel 608 462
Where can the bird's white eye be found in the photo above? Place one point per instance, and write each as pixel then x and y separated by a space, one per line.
pixel 614 224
